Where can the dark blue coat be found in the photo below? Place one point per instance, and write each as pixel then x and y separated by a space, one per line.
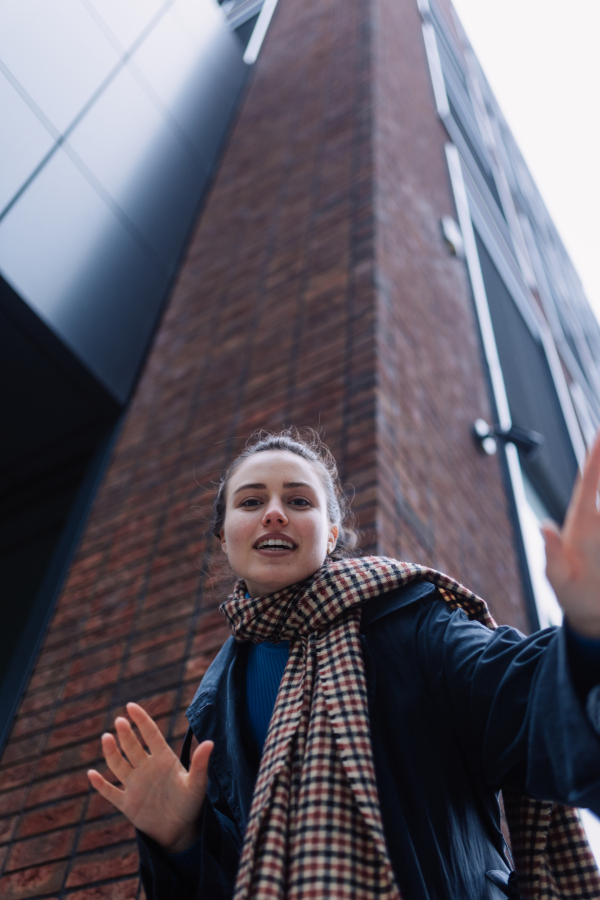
pixel 456 710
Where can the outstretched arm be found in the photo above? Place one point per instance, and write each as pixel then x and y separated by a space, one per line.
pixel 573 552
pixel 159 797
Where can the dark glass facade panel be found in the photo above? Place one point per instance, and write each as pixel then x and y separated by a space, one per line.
pixel 93 241
pixel 57 53
pixel 88 251
pixel 532 397
pixel 24 142
pixel 55 420
pixel 84 271
pixel 143 150
pixel 194 67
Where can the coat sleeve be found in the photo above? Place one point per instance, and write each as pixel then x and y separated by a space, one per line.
pixel 206 870
pixel 203 872
pixel 515 705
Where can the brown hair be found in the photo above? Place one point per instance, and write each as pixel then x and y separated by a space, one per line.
pixel 307 444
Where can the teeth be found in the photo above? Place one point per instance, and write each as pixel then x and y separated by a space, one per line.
pixel 275 542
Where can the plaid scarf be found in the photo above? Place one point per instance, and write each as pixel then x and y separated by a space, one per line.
pixel 315 829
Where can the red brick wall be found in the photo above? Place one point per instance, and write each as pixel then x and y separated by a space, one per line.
pixel 317 291
pixel 439 500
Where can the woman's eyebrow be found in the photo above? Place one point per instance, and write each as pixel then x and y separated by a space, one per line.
pixel 254 487
pixel 257 486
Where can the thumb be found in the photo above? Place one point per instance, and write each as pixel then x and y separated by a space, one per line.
pixel 198 774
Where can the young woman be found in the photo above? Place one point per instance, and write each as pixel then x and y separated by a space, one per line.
pixel 356 730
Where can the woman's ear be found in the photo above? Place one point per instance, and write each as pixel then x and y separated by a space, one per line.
pixel 333 536
pixel 223 541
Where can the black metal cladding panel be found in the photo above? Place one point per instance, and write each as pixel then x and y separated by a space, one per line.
pixel 531 392
pixel 93 241
pixel 39 405
pixel 54 415
pixel 196 82
pixel 149 172
pixel 81 269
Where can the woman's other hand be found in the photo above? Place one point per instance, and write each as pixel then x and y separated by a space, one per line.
pixel 573 552
pixel 158 796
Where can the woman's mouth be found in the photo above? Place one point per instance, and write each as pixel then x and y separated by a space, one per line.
pixel 275 546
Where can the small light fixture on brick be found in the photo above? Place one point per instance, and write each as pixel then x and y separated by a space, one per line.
pixel 487 436
pixel 484 437
pixel 453 236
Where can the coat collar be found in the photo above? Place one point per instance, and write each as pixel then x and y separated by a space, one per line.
pixel 216 714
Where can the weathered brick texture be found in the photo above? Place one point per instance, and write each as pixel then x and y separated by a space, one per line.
pixel 316 291
pixel 437 499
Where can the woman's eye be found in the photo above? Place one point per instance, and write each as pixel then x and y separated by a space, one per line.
pixel 251 501
pixel 300 501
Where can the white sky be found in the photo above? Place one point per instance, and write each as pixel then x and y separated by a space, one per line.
pixel 542 60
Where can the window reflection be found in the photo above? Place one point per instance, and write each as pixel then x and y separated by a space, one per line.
pixel 533 514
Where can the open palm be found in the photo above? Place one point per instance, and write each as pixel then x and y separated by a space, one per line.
pixel 158 796
pixel 573 552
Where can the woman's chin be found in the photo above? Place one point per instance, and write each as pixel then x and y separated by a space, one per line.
pixel 276 574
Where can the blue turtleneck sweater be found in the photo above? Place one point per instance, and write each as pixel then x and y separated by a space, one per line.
pixel 266 663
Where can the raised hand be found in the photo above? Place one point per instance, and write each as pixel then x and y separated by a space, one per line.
pixel 159 797
pixel 573 552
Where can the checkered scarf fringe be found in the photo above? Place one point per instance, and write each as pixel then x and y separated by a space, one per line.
pixel 315 828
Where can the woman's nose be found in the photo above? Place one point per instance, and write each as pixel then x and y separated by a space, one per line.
pixel 274 514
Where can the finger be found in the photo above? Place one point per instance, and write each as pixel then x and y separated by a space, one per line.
pixel 592 469
pixel 111 793
pixel 201 757
pixel 588 487
pixel 550 529
pixel 198 775
pixel 114 758
pixel 130 745
pixel 575 503
pixel 148 728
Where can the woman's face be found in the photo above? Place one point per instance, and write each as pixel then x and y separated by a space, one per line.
pixel 277 531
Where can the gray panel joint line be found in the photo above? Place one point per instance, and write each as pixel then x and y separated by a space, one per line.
pixel 63 137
